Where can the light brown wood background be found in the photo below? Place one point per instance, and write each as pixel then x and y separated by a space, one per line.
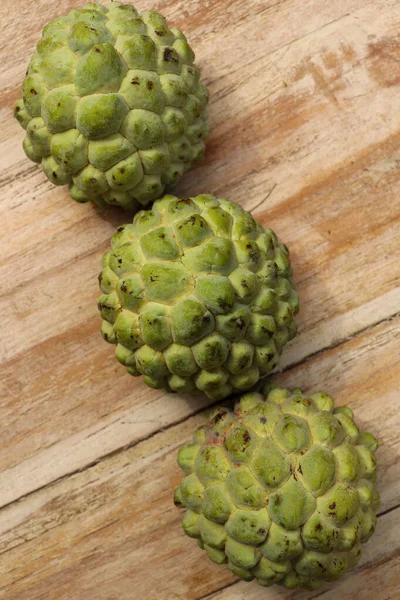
pixel 305 132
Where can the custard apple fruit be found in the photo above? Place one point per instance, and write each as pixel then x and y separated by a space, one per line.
pixel 112 105
pixel 197 296
pixel 282 489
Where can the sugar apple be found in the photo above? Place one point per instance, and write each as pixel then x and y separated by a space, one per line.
pixel 112 105
pixel 197 296
pixel 282 489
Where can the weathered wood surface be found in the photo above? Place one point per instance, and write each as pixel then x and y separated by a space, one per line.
pixel 305 131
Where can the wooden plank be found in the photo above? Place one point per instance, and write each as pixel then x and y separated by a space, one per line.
pixel 341 327
pixel 331 166
pixel 115 523
pixel 347 139
pixel 330 75
pixel 305 133
pixel 97 412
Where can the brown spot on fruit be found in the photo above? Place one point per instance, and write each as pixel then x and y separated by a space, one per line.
pixel 170 55
pixel 332 506
pixel 34 92
pixel 240 322
pixel 219 416
pixel 149 85
pixel 243 362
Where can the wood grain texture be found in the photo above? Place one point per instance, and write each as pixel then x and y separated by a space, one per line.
pixel 116 520
pixel 305 132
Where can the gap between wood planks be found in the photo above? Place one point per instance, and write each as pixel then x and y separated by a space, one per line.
pixel 287 367
pixel 224 587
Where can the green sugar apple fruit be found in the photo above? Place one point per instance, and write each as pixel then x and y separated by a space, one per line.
pixel 197 296
pixel 112 105
pixel 282 489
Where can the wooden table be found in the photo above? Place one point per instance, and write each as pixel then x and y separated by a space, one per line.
pixel 305 132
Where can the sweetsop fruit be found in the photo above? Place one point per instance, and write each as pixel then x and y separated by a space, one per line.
pixel 112 105
pixel 282 489
pixel 197 296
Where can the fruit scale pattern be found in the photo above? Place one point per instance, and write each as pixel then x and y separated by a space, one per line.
pixel 112 105
pixel 197 296
pixel 283 488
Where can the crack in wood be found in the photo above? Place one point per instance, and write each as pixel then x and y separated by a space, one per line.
pixel 340 342
pixel 254 208
pixel 224 587
pixel 171 425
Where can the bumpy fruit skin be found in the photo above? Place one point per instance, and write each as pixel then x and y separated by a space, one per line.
pixel 112 105
pixel 197 296
pixel 282 489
